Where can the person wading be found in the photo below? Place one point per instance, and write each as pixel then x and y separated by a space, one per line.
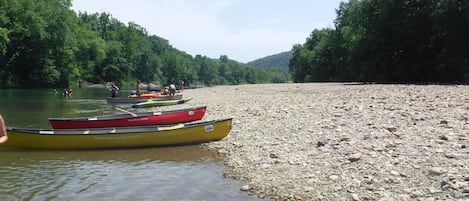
pixel 3 131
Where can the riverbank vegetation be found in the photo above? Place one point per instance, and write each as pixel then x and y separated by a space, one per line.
pixel 389 41
pixel 46 44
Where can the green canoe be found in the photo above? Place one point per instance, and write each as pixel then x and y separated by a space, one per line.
pixel 156 103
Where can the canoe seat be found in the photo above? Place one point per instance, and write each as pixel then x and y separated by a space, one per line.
pixel 46 132
pixel 170 127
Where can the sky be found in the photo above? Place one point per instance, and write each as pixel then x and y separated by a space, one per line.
pixel 243 30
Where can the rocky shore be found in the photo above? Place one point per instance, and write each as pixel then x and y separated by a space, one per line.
pixel 334 141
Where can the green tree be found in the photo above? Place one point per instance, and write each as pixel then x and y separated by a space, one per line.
pixel 4 40
pixel 46 44
pixel 208 71
pixel 388 41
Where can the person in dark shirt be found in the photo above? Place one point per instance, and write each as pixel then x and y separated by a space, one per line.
pixel 114 89
pixel 138 92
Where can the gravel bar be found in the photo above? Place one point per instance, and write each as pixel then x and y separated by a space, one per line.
pixel 344 141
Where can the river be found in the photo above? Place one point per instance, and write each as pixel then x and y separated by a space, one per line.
pixel 165 173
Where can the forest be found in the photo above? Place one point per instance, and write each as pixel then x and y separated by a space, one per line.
pixel 388 41
pixel 45 44
pixel 279 60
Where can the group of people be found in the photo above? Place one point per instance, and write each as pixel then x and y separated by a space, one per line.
pixel 68 92
pixel 171 90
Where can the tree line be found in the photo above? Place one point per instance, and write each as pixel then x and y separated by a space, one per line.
pixel 401 41
pixel 46 44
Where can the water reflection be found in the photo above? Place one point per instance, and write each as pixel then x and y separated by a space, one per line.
pixel 170 173
pixel 192 153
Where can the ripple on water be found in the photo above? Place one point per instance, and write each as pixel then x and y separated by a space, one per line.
pixel 117 175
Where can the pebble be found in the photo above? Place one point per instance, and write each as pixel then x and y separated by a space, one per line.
pixel 245 188
pixel 355 157
pixel 321 142
pixel 355 197
pixel 436 171
pixel 278 143
pixel 334 177
pixel 449 155
pixel 466 189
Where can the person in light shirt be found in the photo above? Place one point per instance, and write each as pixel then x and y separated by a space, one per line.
pixel 172 90
pixel 3 131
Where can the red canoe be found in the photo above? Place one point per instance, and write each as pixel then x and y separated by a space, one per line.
pixel 133 119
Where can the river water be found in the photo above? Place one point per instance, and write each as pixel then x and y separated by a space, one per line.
pixel 165 173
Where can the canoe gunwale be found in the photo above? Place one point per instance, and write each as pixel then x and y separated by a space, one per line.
pixel 112 130
pixel 120 100
pixel 156 103
pixel 124 115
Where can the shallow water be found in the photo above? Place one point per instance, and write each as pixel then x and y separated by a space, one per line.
pixel 165 173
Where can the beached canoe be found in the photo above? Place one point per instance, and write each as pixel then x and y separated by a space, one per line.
pixel 130 119
pixel 153 103
pixel 152 95
pixel 130 100
pixel 120 137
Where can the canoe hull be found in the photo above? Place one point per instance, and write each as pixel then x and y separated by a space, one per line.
pixel 125 120
pixel 113 138
pixel 152 103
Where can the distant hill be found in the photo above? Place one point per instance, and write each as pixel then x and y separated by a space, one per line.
pixel 280 60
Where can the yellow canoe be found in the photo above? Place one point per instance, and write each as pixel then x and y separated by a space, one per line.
pixel 120 137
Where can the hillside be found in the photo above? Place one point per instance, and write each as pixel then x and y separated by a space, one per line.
pixel 280 60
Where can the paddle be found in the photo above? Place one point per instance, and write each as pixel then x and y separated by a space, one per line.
pixel 129 112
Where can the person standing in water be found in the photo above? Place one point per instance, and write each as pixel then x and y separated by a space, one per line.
pixel 181 85
pixel 3 131
pixel 114 89
pixel 138 92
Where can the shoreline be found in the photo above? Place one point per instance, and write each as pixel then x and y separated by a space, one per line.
pixel 334 141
